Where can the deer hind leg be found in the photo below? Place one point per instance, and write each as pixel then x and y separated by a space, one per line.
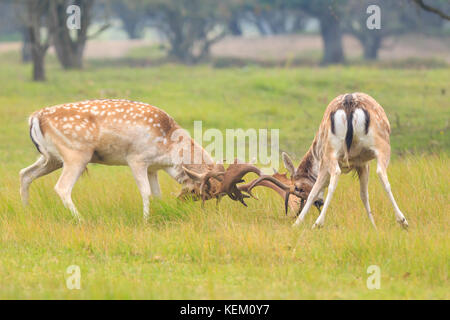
pixel 73 167
pixel 334 172
pixel 154 184
pixel 315 191
pixel 363 173
pixel 140 174
pixel 382 163
pixel 38 169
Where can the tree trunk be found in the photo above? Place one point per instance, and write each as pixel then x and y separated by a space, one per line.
pixel 181 43
pixel 35 12
pixel 70 55
pixel 179 53
pixel 26 46
pixel 234 26
pixel 262 26
pixel 131 17
pixel 371 47
pixel 68 50
pixel 332 40
pixel 189 32
pixel 38 64
pixel 131 29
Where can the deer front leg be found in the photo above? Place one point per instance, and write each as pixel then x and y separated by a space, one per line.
pixel 139 169
pixel 381 171
pixel 315 191
pixel 335 173
pixel 154 184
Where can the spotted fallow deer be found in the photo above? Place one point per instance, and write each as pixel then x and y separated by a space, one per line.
pixel 122 132
pixel 354 131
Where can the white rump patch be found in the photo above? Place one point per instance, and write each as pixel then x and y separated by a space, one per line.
pixel 337 139
pixel 359 122
pixel 340 124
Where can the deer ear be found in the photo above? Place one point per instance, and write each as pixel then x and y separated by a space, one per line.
pixel 193 175
pixel 288 163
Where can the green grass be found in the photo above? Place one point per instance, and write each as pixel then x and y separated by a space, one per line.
pixel 232 252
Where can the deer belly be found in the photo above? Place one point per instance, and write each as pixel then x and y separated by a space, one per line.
pixel 110 155
pixel 119 149
pixel 362 148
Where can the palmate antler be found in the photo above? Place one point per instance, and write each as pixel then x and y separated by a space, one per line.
pixel 234 174
pixel 228 180
pixel 287 189
pixel 293 201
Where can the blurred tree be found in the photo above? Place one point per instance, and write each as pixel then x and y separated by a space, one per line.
pixel 371 39
pixel 70 44
pixel 275 17
pixel 132 14
pixel 397 17
pixel 439 7
pixel 33 15
pixel 238 12
pixel 328 12
pixel 425 21
pixel 190 26
pixel 8 22
pixel 11 28
pixel 26 46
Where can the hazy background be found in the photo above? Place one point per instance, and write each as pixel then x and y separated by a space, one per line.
pixel 228 32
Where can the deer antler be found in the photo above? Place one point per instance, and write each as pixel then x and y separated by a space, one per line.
pixel 217 173
pixel 281 184
pixel 234 174
pixel 287 189
pixel 228 181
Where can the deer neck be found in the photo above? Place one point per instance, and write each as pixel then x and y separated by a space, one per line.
pixel 188 154
pixel 309 166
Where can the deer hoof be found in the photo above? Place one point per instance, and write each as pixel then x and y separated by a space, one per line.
pixel 317 225
pixel 403 223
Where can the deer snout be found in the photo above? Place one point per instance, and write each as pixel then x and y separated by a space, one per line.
pixel 318 204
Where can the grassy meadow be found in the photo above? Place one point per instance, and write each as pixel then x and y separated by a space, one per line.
pixel 231 252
